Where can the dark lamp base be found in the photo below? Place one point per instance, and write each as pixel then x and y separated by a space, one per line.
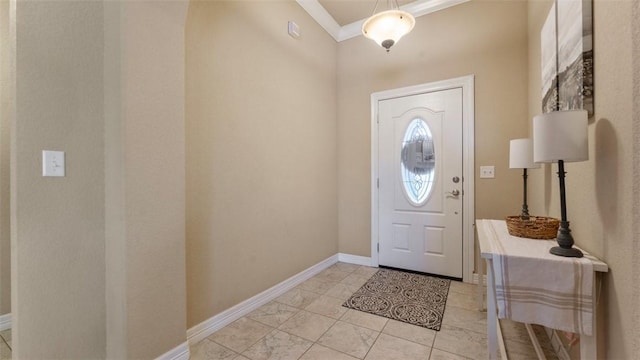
pixel 566 252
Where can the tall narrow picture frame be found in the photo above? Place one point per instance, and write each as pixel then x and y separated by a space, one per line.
pixel 549 54
pixel 572 22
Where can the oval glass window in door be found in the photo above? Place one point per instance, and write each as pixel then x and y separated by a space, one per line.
pixel 418 161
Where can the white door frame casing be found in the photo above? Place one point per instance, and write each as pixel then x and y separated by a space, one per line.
pixel 466 83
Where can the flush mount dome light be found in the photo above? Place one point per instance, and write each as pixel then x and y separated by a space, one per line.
pixel 387 27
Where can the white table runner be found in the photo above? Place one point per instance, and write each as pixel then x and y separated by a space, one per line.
pixel 536 287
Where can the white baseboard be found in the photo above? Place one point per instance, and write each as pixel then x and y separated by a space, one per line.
pixel 217 322
pixel 354 259
pixel 180 352
pixel 5 322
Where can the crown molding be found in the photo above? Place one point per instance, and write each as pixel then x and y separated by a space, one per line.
pixel 340 33
pixel 424 7
pixel 321 16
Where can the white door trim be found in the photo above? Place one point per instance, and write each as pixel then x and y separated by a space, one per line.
pixel 468 166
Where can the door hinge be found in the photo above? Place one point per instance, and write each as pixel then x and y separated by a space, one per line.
pixel 378 183
pixel 378 247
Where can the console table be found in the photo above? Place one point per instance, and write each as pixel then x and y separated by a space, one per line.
pixel 491 235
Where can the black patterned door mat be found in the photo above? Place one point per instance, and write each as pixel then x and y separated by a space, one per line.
pixel 408 297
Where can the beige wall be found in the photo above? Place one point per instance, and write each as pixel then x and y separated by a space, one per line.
pixel 261 150
pixel 635 268
pixel 485 38
pixel 5 111
pixel 598 191
pixel 115 234
pixel 105 83
pixel 145 177
pixel 58 263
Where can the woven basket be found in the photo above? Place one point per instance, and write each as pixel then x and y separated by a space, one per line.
pixel 537 227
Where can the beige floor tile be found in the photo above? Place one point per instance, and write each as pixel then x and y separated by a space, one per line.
pixel 5 351
pixel 465 288
pixel 437 354
pixel 241 357
pixel 464 318
pixel 518 343
pixel 545 342
pixel 240 334
pixel 514 330
pixel 342 291
pixel 6 335
pixel 465 301
pixel 355 280
pixel 332 274
pixel 278 345
pixel 365 271
pixel 319 352
pixel 297 297
pixel 209 350
pixel 327 306
pixel 345 267
pixel 349 339
pixel 410 332
pixel 364 319
pixel 307 325
pixel 273 314
pixel 520 350
pixel 389 347
pixel 461 342
pixel 317 285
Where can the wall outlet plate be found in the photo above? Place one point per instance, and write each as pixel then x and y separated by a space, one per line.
pixel 487 172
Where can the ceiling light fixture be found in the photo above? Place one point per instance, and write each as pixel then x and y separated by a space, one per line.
pixel 387 27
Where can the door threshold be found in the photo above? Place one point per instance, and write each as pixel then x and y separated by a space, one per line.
pixel 421 273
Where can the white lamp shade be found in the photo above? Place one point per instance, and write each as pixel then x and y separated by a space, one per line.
pixel 388 25
pixel 521 154
pixel 561 135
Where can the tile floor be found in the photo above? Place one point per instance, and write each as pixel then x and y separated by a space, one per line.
pixel 309 323
pixel 5 344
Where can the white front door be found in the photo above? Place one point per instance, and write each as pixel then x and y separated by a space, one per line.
pixel 420 182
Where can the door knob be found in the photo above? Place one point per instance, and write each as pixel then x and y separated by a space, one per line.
pixel 455 192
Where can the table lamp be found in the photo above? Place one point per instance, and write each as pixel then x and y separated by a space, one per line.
pixel 521 157
pixel 561 136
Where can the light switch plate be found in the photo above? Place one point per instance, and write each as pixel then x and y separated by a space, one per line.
pixel 487 172
pixel 52 163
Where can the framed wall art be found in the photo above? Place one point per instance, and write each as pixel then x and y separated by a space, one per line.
pixel 567 57
pixel 549 54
